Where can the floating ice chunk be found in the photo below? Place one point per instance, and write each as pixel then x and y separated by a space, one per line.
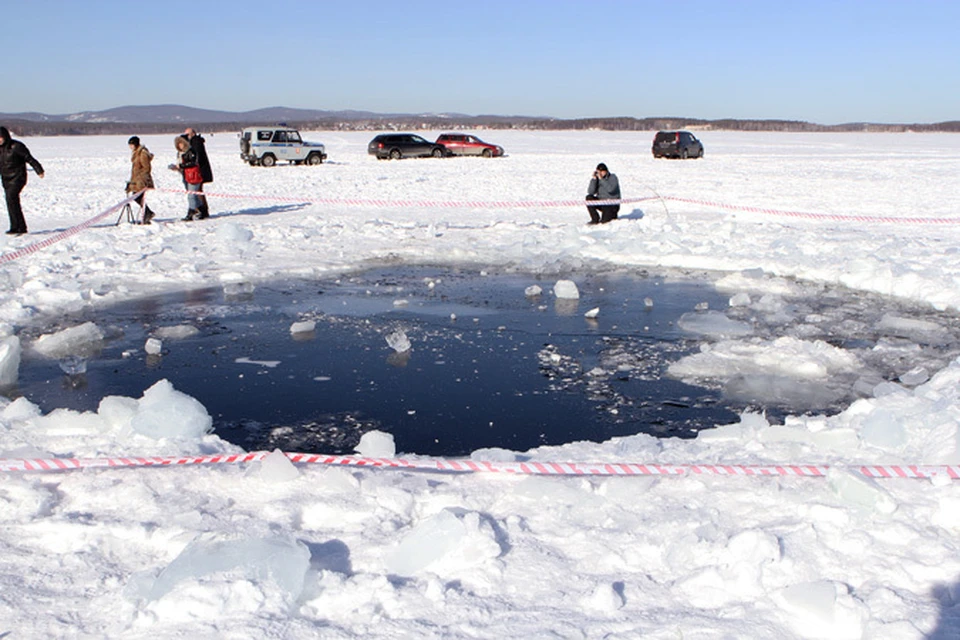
pixel 73 365
pixel 713 323
pixel 398 341
pixel 277 559
pixel 860 491
pixel 178 332
pixel 702 306
pixel 532 291
pixel 914 377
pixel 164 412
pixel 79 340
pixel 593 313
pixel 741 299
pixel 401 302
pixel 445 544
pixel 304 326
pixel 376 444
pixel 10 352
pixel 276 468
pixel 270 364
pixel 648 303
pixel 922 331
pixel 153 346
pixel 566 289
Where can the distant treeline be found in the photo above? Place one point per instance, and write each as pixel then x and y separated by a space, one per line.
pixel 433 123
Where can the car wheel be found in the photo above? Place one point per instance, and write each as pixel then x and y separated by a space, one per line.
pixel 683 154
pixel 395 154
pixel 700 154
pixel 268 160
pixel 487 153
pixel 438 153
pixel 314 158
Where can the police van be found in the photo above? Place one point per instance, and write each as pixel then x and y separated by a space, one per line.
pixel 264 146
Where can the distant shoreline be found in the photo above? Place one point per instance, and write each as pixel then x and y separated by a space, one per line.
pixel 208 122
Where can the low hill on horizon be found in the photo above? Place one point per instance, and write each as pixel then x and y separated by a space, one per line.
pixel 170 118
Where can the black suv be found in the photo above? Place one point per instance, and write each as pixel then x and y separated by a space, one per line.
pixel 676 144
pixel 404 145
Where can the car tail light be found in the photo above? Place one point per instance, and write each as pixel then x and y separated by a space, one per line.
pixel 379 145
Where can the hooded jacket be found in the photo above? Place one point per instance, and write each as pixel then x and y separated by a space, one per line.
pixel 140 176
pixel 198 144
pixel 14 158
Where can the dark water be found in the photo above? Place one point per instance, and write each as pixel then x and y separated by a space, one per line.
pixel 509 370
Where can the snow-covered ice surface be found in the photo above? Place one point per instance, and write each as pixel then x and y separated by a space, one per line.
pixel 269 550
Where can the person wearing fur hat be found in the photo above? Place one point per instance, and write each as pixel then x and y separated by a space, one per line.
pixel 140 175
pixel 14 158
pixel 603 186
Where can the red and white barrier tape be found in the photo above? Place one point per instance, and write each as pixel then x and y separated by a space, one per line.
pixel 418 204
pixel 815 216
pixel 473 466
pixel 502 204
pixel 46 242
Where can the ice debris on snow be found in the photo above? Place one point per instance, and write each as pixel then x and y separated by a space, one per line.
pixel 376 444
pixel 276 468
pixel 450 542
pixel 10 352
pixel 566 290
pixel 276 559
pixel 164 412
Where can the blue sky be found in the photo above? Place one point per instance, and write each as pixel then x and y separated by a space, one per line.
pixel 826 62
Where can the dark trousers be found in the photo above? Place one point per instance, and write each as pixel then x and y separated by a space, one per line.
pixel 602 213
pixel 12 192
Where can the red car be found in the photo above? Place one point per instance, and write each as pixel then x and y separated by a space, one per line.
pixel 459 144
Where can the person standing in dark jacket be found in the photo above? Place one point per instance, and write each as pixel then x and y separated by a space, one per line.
pixel 198 145
pixel 14 158
pixel 603 186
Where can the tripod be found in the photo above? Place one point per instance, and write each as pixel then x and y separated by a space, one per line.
pixel 132 218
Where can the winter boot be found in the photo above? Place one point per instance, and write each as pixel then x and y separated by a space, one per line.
pixel 147 215
pixel 203 212
pixel 191 213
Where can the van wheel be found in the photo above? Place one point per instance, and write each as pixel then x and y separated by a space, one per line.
pixel 314 158
pixel 683 154
pixel 268 160
pixel 395 154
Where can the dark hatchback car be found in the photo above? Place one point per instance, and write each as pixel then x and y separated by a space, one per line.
pixel 676 144
pixel 404 145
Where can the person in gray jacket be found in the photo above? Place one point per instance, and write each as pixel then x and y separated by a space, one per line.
pixel 603 186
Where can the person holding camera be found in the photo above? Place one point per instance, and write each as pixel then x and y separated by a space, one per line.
pixel 14 158
pixel 603 186
pixel 189 169
pixel 198 144
pixel 140 175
